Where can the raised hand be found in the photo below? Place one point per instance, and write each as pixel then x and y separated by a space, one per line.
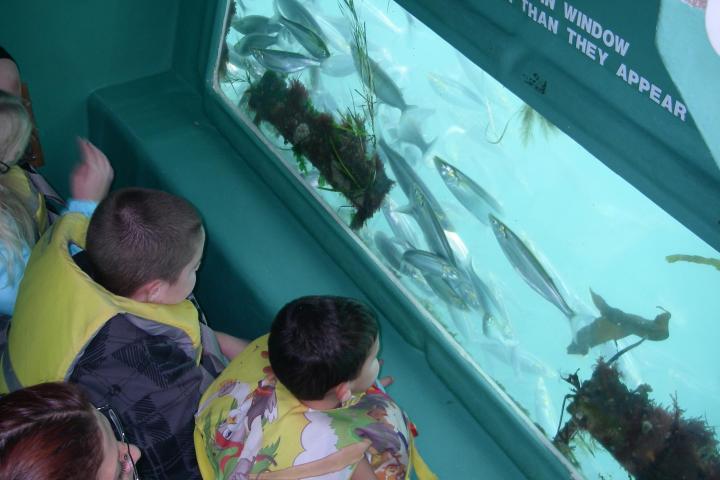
pixel 91 179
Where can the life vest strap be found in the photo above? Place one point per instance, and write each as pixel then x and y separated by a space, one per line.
pixel 12 382
pixel 43 187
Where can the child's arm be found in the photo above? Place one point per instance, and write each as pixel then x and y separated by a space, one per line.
pixel 384 382
pixel 230 346
pixel 91 179
pixel 363 471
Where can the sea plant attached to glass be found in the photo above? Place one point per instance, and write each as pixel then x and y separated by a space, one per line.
pixel 649 441
pixel 342 150
pixel 338 149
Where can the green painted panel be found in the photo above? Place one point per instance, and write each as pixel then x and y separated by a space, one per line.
pixel 68 49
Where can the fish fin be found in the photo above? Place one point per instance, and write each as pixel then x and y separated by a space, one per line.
pixel 408 209
pixel 576 349
pixel 599 302
pixel 277 19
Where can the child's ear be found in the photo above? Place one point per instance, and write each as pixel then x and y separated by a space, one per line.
pixel 151 292
pixel 343 392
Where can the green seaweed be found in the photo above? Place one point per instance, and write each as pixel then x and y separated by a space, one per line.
pixel 713 262
pixel 338 149
pixel 529 117
pixel 363 62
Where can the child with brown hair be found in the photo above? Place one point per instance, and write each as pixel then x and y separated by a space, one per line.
pixel 116 319
pixel 52 431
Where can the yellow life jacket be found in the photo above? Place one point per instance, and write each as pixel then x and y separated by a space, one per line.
pixel 249 426
pixel 18 181
pixel 60 309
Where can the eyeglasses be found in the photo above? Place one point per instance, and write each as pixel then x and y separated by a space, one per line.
pixel 117 427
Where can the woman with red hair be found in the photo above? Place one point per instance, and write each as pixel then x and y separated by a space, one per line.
pixel 51 431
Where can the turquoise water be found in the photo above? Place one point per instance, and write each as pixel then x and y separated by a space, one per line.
pixel 588 227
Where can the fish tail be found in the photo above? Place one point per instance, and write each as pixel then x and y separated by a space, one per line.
pixel 427 154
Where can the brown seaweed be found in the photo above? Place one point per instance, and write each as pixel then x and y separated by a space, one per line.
pixel 649 441
pixel 339 150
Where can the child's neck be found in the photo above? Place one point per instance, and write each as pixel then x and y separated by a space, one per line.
pixel 327 403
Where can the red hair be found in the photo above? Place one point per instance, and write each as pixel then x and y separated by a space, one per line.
pixel 49 431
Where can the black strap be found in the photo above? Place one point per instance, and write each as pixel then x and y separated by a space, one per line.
pixel 43 187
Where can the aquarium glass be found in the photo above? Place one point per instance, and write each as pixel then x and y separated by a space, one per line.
pixel 528 250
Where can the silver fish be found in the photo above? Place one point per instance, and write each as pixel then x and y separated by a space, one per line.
pixel 399 224
pixel 431 265
pixel 246 44
pixel 430 225
pixel 255 24
pixel 335 39
pixel 283 62
pixel 390 250
pixel 383 85
pixel 293 10
pixel 545 414
pixel 340 65
pixel 408 129
pixel 381 17
pixel 528 266
pixel 471 195
pixel 521 361
pixel 441 288
pixel 407 179
pixel 454 92
pixel 495 318
pixel 311 41
pixel 243 66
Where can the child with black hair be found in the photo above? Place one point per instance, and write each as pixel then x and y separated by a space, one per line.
pixel 304 402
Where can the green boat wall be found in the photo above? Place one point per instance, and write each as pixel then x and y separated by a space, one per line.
pixel 137 78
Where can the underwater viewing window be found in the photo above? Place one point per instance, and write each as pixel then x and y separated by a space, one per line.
pixel 529 251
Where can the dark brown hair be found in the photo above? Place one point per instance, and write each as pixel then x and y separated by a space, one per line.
pixel 137 235
pixel 319 342
pixel 49 431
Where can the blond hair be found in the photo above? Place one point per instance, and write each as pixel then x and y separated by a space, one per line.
pixel 17 226
pixel 15 129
